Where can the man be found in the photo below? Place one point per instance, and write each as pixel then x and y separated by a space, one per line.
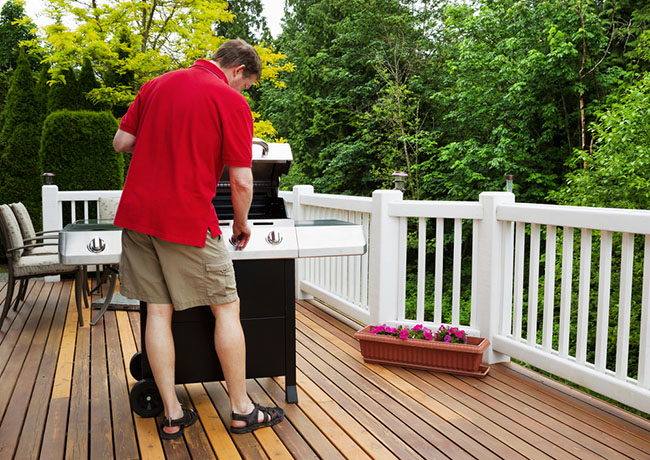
pixel 182 128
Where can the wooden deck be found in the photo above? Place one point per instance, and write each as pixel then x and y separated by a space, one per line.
pixel 64 394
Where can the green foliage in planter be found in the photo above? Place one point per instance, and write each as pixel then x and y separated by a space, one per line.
pixel 78 148
pixel 19 143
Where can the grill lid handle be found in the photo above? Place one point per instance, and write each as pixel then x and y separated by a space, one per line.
pixel 262 142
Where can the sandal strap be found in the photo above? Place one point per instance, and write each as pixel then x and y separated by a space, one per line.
pixel 250 418
pixel 270 413
pixel 187 415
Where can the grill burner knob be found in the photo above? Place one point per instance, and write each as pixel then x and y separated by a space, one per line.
pixel 274 237
pixel 96 245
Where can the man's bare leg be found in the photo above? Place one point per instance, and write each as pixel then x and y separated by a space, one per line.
pixel 161 355
pixel 231 349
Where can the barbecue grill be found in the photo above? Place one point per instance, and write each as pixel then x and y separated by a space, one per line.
pixel 265 274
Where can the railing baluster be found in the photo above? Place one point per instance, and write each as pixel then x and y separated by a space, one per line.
pixel 86 216
pixel 401 269
pixel 519 279
pixel 422 266
pixel 549 288
pixel 440 248
pixel 644 351
pixel 473 301
pixel 508 267
pixel 583 295
pixel 566 291
pixel 73 211
pixel 604 284
pixel 533 284
pixel 625 306
pixel 364 261
pixel 455 301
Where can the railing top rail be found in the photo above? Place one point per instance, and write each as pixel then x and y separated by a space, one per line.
pixel 441 209
pixel 344 202
pixel 609 219
pixel 79 195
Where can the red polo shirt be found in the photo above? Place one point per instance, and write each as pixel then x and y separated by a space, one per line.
pixel 188 124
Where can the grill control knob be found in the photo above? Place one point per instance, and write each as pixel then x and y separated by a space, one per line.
pixel 96 245
pixel 274 237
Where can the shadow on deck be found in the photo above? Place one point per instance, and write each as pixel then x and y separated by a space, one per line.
pixel 64 394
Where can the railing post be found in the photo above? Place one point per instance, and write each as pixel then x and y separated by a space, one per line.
pixel 491 274
pixel 383 253
pixel 298 213
pixel 52 219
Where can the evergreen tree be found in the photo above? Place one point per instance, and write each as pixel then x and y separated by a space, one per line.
pixel 42 90
pixel 12 34
pixel 249 23
pixel 121 78
pixel 87 82
pixel 64 95
pixel 21 132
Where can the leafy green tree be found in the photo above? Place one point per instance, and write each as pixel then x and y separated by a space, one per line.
pixel 11 34
pixel 20 134
pixel 42 90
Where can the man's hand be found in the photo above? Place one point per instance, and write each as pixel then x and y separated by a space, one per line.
pixel 241 188
pixel 241 233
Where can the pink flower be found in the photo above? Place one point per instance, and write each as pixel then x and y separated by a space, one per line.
pixel 428 335
pixel 459 334
pixel 418 327
pixel 447 338
pixel 404 334
pixel 380 328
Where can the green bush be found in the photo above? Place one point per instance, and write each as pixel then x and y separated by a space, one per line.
pixel 64 95
pixel 19 143
pixel 78 148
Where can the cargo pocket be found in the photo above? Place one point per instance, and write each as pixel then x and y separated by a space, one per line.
pixel 221 279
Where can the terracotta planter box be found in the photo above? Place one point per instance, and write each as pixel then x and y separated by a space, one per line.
pixel 452 358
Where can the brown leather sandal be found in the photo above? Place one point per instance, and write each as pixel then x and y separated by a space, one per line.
pixel 272 416
pixel 189 417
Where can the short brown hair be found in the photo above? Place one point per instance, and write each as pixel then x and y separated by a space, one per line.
pixel 237 52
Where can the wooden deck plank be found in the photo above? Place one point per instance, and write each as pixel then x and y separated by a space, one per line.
pixel 328 426
pixel 520 437
pixel 29 446
pixel 247 444
pixel 126 447
pixel 18 353
pixel 538 412
pixel 513 412
pixel 603 415
pixel 146 429
pixel 439 416
pixel 402 439
pixel 317 441
pixel 57 416
pixel 101 430
pixel 217 433
pixel 18 406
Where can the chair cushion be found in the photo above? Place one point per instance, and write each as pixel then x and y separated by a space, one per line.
pixel 107 207
pixel 14 235
pixel 27 230
pixel 41 265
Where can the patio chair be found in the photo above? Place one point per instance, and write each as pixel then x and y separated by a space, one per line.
pixel 25 267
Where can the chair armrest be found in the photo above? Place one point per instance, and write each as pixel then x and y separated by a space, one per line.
pixel 53 237
pixel 56 232
pixel 28 246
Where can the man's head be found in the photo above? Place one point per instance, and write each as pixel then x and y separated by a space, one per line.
pixel 240 62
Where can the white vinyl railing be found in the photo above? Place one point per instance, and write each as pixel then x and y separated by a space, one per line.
pixel 522 275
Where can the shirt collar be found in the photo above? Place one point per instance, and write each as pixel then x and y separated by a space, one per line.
pixel 211 66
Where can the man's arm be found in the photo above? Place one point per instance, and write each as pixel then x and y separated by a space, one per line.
pixel 123 141
pixel 241 187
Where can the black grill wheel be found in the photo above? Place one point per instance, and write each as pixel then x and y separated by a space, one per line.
pixel 145 399
pixel 135 366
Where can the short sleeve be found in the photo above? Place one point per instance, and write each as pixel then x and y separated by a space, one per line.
pixel 130 120
pixel 237 147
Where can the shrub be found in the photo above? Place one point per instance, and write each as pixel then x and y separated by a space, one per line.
pixel 78 148
pixel 20 138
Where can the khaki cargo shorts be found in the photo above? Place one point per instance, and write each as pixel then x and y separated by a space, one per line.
pixel 158 271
